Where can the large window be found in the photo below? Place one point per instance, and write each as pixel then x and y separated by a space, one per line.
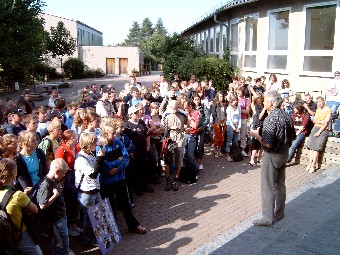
pixel 211 40
pixel 319 37
pixel 278 39
pixel 217 38
pixel 202 41
pixel 224 38
pixel 234 40
pixel 206 34
pixel 250 41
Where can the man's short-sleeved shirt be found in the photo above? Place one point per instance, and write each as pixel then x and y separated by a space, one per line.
pixel 278 131
pixel 57 209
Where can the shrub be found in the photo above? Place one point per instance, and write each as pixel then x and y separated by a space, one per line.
pixel 93 73
pixel 73 68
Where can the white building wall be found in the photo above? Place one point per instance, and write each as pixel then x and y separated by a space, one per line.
pixel 95 57
pixel 89 35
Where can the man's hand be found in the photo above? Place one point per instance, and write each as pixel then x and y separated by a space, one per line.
pixel 255 133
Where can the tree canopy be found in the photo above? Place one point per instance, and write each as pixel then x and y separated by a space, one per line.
pixel 60 43
pixel 22 38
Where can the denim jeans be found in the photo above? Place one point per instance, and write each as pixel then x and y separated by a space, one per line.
pixel 27 246
pixel 299 139
pixel 189 151
pixel 232 138
pixel 86 201
pixel 61 227
pixel 334 107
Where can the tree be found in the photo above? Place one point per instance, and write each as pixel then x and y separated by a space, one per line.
pixel 61 43
pixel 181 56
pixel 159 28
pixel 146 30
pixel 23 39
pixel 133 38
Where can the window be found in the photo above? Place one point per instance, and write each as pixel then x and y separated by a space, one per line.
pixel 217 39
pixel 250 41
pixel 211 40
pixel 224 38
pixel 278 39
pixel 206 34
pixel 202 41
pixel 234 40
pixel 319 37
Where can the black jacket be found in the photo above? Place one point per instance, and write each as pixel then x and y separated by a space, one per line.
pixel 23 179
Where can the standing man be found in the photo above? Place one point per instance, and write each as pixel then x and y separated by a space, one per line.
pixel 276 138
pixel 94 94
pixel 163 86
pixel 174 121
pixel 104 107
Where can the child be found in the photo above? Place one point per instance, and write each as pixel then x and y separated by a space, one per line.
pixel 68 116
pixel 50 198
pixel 87 180
pixel 17 204
pixel 41 112
pixel 50 143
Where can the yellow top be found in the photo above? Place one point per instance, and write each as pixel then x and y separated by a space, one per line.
pixel 14 208
pixel 320 115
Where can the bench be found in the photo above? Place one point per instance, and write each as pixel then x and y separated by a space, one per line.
pixel 330 155
pixel 49 86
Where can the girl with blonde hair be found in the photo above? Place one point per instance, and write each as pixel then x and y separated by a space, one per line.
pixel 112 176
pixel 87 179
pixel 31 162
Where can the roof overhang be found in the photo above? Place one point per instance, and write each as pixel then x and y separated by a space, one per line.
pixel 229 5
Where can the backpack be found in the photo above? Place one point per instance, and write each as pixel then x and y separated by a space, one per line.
pixel 167 152
pixel 49 150
pixel 10 235
pixel 235 153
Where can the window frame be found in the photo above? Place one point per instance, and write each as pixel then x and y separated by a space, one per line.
pixel 250 52
pixel 233 52
pixel 278 52
pixel 318 53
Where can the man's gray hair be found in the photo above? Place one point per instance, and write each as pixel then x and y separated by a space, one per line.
pixel 173 105
pixel 275 97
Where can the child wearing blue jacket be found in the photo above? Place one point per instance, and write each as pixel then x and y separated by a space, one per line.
pixel 112 175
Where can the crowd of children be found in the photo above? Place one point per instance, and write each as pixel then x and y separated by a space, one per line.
pixel 67 156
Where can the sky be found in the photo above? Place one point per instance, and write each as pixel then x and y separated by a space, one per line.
pixel 114 18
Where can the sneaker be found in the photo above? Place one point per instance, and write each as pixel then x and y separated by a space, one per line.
pixel 162 174
pixel 168 185
pixel 132 205
pixel 200 167
pixel 175 185
pixel 70 252
pixel 244 154
pixel 73 232
pixel 229 159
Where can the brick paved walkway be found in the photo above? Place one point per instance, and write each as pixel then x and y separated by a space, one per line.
pixel 226 194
